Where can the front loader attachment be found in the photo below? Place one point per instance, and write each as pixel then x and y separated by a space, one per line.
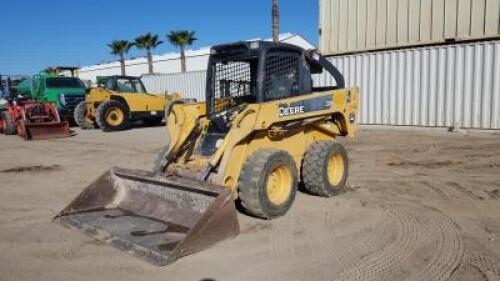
pixel 43 131
pixel 156 218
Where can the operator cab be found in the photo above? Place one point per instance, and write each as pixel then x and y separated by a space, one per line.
pixel 122 84
pixel 257 72
pixel 261 71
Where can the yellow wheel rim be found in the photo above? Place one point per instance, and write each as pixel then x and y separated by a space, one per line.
pixel 335 169
pixel 279 184
pixel 114 116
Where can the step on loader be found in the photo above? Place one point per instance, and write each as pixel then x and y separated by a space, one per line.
pixel 263 129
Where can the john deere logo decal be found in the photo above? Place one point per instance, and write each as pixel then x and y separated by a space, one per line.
pixel 304 106
pixel 291 110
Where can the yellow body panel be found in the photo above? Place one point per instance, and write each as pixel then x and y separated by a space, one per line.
pixel 180 123
pixel 261 126
pixel 144 102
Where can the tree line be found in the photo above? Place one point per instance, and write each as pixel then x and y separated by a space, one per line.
pixel 148 42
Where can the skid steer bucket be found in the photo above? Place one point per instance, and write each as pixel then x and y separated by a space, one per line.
pixel 156 218
pixel 43 131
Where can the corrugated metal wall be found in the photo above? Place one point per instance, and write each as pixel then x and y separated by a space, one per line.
pixel 190 84
pixel 427 86
pixel 436 86
pixel 357 25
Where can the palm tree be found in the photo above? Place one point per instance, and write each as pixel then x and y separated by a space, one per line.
pixel 276 21
pixel 181 39
pixel 120 48
pixel 148 42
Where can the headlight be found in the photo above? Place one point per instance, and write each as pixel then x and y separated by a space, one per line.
pixel 62 99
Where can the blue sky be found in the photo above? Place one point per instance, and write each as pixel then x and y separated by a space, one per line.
pixel 36 33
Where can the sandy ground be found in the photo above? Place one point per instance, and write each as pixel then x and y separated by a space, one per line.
pixel 421 205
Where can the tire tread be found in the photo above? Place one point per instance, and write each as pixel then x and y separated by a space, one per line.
pixel 248 183
pixel 79 116
pixel 312 169
pixel 101 119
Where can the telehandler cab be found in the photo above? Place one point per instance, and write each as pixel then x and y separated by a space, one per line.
pixel 262 130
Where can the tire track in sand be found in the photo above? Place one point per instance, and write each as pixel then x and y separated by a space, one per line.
pixel 380 264
pixel 380 250
pixel 449 252
pixel 411 234
pixel 350 248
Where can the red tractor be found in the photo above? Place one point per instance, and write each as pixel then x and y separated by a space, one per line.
pixel 28 118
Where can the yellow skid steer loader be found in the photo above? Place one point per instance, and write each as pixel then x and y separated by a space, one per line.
pixel 263 129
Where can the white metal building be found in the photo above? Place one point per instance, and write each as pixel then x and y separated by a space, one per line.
pixel 190 84
pixel 418 62
pixel 437 86
pixel 348 26
pixel 196 60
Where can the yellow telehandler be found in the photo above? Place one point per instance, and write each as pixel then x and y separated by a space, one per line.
pixel 262 129
pixel 117 101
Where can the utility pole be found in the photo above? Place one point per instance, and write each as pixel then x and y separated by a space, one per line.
pixel 276 21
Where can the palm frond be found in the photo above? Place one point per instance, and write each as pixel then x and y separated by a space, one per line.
pixel 119 47
pixel 182 38
pixel 147 41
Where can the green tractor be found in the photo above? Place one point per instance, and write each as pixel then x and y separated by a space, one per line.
pixel 51 86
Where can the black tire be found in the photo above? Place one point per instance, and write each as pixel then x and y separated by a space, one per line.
pixel 315 168
pixel 102 111
pixel 153 121
pixel 10 127
pixel 252 183
pixel 79 117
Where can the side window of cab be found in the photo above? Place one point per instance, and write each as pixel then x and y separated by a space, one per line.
pixel 281 75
